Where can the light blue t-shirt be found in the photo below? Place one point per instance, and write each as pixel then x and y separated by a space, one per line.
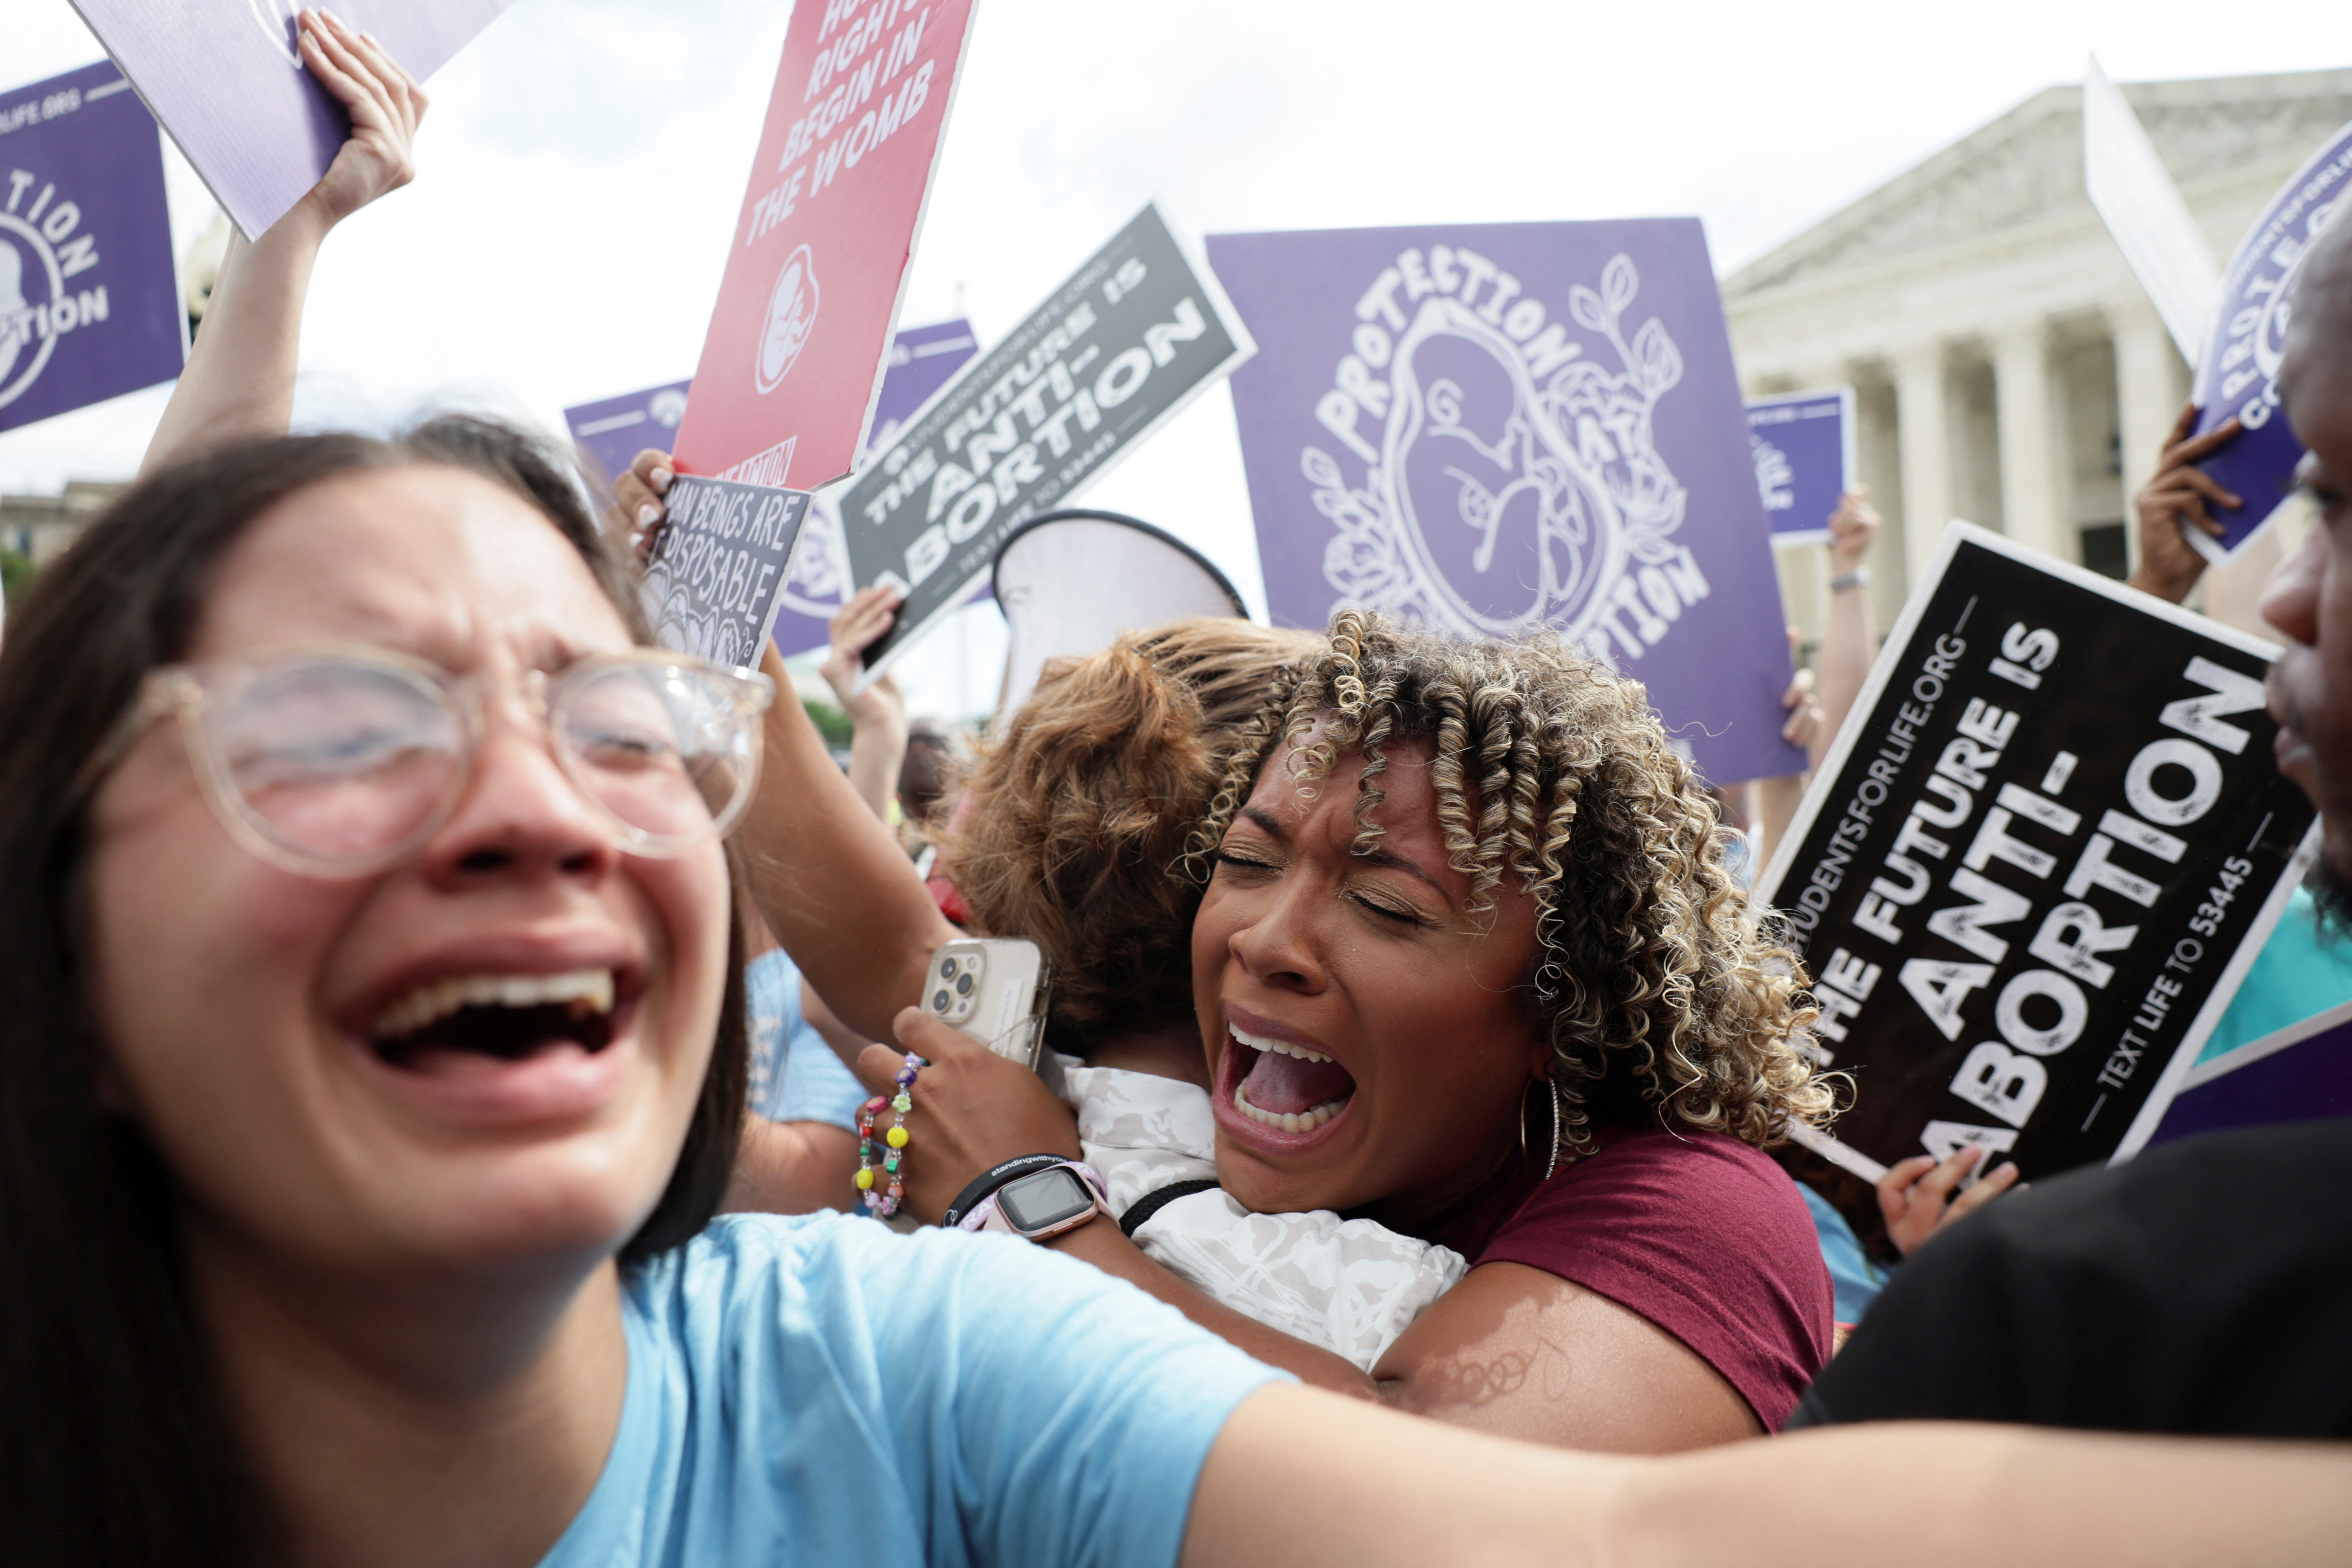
pixel 795 1076
pixel 821 1390
pixel 1853 1276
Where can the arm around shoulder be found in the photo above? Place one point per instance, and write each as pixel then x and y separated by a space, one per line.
pixel 1518 1353
pixel 1298 1478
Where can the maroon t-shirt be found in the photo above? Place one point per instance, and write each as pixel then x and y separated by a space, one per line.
pixel 1697 1231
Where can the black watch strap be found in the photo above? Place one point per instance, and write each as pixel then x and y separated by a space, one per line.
pixel 996 1177
pixel 1140 1210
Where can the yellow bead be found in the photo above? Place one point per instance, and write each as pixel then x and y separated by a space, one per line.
pixel 864 1181
pixel 895 1137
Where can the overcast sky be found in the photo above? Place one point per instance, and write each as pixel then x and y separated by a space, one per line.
pixel 585 160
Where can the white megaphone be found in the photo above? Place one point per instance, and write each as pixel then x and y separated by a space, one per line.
pixel 1070 581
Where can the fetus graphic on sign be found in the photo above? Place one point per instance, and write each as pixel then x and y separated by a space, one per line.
pixel 791 315
pixel 1517 481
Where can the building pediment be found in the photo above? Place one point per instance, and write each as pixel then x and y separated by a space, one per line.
pixel 2027 167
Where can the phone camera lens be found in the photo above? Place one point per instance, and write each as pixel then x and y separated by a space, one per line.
pixel 939 1002
pixel 963 984
pixel 946 969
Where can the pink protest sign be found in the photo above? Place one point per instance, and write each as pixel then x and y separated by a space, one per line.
pixel 799 339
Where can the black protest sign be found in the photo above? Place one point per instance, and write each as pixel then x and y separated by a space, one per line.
pixel 1129 339
pixel 719 566
pixel 2027 878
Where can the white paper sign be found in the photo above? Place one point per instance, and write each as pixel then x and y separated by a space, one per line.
pixel 2144 210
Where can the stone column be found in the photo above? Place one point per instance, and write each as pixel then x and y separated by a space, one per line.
pixel 2029 478
pixel 2150 383
pixel 1923 425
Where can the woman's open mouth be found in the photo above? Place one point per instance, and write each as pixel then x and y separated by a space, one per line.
pixel 1275 1092
pixel 505 1046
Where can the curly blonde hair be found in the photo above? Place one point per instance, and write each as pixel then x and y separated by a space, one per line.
pixel 1663 1000
pixel 1082 807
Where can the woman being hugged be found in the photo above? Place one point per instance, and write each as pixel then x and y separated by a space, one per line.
pixel 1468 962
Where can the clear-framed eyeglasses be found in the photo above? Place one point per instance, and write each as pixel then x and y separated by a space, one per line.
pixel 342 760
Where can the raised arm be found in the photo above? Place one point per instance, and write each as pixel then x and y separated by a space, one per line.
pixel 239 379
pixel 1849 639
pixel 877 715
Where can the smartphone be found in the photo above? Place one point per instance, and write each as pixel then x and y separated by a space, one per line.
pixel 992 990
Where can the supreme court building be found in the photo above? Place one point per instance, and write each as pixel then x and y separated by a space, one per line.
pixel 2007 367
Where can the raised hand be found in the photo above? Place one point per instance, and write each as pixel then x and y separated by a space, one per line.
pixel 637 503
pixel 2177 496
pixel 239 381
pixel 1853 527
pixel 384 104
pixel 855 628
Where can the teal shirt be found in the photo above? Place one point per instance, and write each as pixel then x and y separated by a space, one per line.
pixel 2303 970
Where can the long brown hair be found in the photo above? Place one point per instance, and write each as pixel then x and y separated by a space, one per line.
pixel 115 1447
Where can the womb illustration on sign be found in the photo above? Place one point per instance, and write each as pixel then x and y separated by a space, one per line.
pixel 1510 428
pixel 1515 482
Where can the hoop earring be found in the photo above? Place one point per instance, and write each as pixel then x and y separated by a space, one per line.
pixel 1551 1157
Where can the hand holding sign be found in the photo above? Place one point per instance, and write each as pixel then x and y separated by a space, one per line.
pixel 2174 500
pixel 1917 1197
pixel 239 381
pixel 637 495
pixel 1854 527
pixel 385 105
pixel 862 623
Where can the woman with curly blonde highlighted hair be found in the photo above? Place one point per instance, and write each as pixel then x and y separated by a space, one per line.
pixel 1468 963
pixel 1661 1003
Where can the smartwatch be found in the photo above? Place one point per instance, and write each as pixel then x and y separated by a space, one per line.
pixel 1040 1204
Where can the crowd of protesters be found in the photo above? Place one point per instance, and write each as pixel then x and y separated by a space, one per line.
pixel 404 966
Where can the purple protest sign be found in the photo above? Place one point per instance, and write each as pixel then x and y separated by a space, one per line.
pixel 922 360
pixel 2303 1073
pixel 1803 443
pixel 1500 426
pixel 228 82
pixel 2239 375
pixel 89 298
pixel 613 430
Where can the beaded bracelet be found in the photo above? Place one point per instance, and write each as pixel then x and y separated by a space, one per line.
pixel 885 1204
